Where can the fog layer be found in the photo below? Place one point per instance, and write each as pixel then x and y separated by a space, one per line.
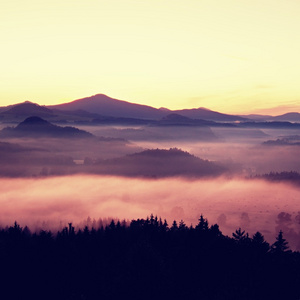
pixel 254 205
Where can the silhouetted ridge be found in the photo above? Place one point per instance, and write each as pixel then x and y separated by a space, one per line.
pixel 272 124
pixel 291 140
pixel 38 127
pixel 160 163
pixel 35 121
pixel 209 115
pixel 29 108
pixel 106 106
pixel 176 117
pixel 289 177
pixel 163 153
pixel 289 117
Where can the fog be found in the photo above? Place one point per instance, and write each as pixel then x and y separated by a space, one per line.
pixel 241 150
pixel 254 205
pixel 79 148
pixel 42 201
pixel 240 158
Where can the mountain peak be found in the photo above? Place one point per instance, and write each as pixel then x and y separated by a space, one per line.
pixel 34 121
pixel 104 105
pixel 204 108
pixel 96 97
pixel 164 109
pixel 29 108
pixel 38 127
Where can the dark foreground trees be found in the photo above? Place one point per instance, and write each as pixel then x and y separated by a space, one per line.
pixel 146 260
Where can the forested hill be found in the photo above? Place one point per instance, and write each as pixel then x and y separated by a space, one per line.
pixel 146 259
pixel 38 127
pixel 160 163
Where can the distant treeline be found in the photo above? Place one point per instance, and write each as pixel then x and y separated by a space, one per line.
pixel 146 259
pixel 292 177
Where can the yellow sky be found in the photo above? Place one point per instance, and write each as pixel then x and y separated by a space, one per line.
pixel 234 56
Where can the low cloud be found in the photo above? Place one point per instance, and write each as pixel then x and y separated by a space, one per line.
pixel 254 205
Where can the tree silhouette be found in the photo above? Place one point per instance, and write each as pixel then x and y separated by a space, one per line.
pixel 182 225
pixel 281 245
pixel 259 243
pixel 203 224
pixel 215 230
pixel 174 225
pixel 239 235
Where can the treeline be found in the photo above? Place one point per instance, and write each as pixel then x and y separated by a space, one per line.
pixel 292 177
pixel 146 259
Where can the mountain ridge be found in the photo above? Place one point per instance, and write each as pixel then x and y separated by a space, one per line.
pixel 37 127
pixel 101 105
pixel 105 105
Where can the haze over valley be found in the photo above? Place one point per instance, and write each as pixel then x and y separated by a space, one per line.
pixel 110 158
pixel 150 149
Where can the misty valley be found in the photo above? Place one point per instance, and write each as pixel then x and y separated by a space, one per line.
pixel 130 139
pixel 71 172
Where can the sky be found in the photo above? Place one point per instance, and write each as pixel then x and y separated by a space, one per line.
pixel 231 56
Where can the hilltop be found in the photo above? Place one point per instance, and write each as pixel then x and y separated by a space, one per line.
pixel 38 127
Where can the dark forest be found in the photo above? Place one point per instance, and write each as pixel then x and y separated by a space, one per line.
pixel 146 259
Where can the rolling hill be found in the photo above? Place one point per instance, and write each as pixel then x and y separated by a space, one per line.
pixel 159 163
pixel 38 127
pixel 24 110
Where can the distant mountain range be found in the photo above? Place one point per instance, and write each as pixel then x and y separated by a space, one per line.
pixel 104 105
pixel 101 109
pixel 288 117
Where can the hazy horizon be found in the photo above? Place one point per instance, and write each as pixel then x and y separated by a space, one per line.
pixel 272 110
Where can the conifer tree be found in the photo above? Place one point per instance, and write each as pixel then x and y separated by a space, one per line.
pixel 203 224
pixel 281 245
pixel 239 235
